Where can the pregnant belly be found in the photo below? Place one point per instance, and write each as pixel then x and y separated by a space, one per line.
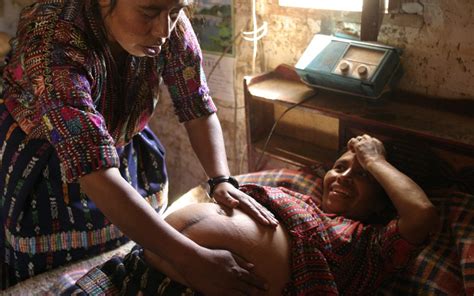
pixel 215 227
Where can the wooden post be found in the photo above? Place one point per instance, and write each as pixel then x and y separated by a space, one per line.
pixel 372 16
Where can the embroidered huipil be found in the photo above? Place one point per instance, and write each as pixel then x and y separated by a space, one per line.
pixel 67 109
pixel 332 255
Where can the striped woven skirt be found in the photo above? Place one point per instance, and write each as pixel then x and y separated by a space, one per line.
pixel 129 275
pixel 46 222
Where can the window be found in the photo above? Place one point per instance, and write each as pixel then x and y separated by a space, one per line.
pixel 345 5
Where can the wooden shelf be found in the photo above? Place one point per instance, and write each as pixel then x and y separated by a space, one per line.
pixel 295 152
pixel 450 121
pixel 443 118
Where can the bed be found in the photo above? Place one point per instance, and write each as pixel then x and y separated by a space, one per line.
pixel 443 167
pixel 444 267
pixel 446 264
pixel 429 139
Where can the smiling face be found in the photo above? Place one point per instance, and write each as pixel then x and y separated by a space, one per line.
pixel 350 191
pixel 140 27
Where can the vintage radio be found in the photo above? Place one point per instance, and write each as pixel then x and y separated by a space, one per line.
pixel 353 67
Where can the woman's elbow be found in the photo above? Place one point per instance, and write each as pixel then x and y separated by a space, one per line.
pixel 420 226
pixel 430 218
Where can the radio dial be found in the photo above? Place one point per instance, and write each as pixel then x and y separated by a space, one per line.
pixel 344 67
pixel 363 71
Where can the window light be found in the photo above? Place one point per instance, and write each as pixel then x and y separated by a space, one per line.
pixel 344 5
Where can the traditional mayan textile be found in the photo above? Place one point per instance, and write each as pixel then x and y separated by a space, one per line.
pixel 446 265
pixel 305 182
pixel 329 255
pixel 127 276
pixel 332 255
pixel 62 84
pixel 46 222
pixel 68 111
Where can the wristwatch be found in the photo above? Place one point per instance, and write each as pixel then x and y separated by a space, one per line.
pixel 213 182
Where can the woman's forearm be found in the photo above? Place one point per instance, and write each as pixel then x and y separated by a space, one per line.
pixel 125 208
pixel 205 135
pixel 417 215
pixel 207 141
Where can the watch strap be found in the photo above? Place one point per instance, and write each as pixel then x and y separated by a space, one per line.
pixel 213 182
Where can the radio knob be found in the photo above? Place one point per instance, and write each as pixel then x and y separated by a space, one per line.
pixel 363 71
pixel 344 67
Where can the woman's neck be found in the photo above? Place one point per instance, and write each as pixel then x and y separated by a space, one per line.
pixel 119 56
pixel 117 51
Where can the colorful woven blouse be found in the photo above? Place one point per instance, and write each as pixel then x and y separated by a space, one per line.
pixel 62 84
pixel 330 254
pixel 65 111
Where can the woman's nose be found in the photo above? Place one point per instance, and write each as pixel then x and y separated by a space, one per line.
pixel 346 176
pixel 161 27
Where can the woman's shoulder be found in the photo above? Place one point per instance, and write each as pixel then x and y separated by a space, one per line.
pixel 55 33
pixel 53 21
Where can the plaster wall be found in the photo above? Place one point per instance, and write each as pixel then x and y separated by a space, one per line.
pixel 438 60
pixel 438 44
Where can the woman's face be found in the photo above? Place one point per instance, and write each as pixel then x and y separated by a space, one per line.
pixel 350 191
pixel 140 27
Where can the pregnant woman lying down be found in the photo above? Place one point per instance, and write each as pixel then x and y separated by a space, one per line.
pixel 347 243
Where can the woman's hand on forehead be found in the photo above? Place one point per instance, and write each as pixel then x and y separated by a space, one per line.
pixel 367 149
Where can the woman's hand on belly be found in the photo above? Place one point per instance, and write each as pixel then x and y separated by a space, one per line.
pixel 215 227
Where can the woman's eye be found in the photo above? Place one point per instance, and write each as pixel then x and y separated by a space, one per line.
pixel 148 14
pixel 339 167
pixel 363 174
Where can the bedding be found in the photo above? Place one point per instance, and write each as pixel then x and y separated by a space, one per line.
pixel 446 264
pixel 444 267
pixel 57 280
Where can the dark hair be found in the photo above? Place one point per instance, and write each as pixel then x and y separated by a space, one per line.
pixel 113 3
pixel 188 9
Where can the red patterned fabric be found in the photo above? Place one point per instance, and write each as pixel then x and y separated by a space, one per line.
pixel 446 265
pixel 68 109
pixel 308 182
pixel 62 84
pixel 333 255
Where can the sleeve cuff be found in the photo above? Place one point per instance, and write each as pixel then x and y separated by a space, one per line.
pixel 82 156
pixel 195 107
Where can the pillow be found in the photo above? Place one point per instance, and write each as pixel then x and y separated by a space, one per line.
pixel 307 181
pixel 446 265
